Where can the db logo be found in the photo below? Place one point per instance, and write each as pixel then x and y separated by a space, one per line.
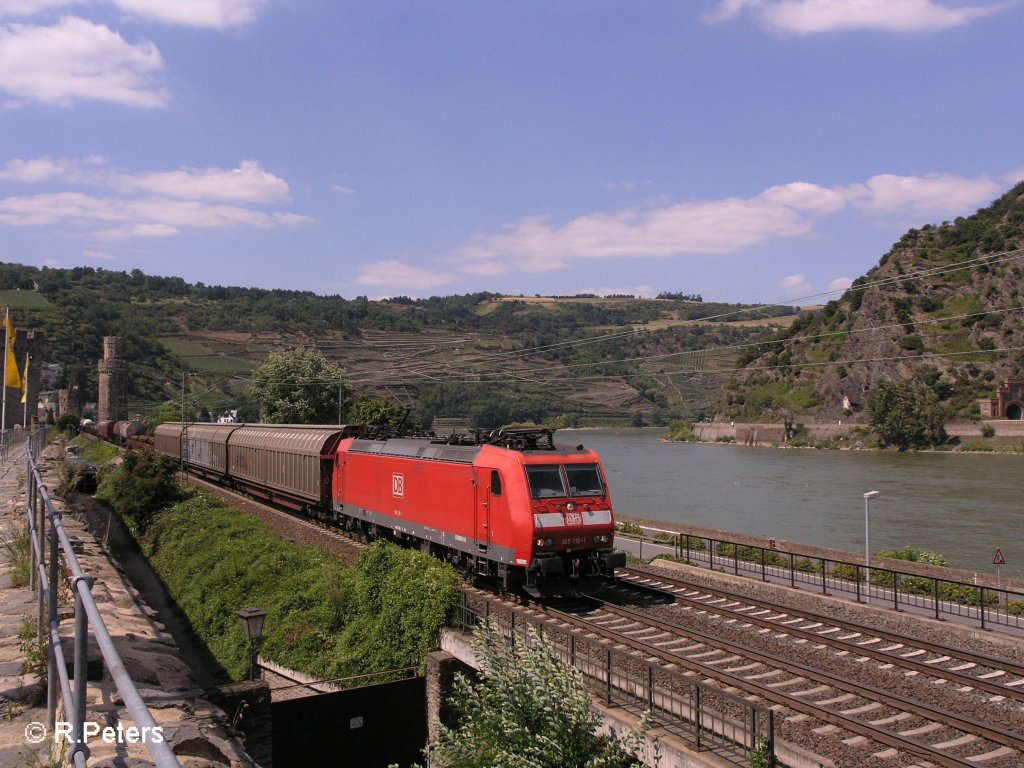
pixel 398 485
pixel 573 518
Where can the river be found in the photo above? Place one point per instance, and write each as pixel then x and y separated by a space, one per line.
pixel 965 506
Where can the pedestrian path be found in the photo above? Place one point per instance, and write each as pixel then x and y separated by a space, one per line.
pixel 195 728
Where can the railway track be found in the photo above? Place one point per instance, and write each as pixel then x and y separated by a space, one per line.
pixel 899 723
pixel 859 724
pixel 1001 678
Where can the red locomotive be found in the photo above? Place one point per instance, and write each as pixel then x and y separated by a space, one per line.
pixel 510 505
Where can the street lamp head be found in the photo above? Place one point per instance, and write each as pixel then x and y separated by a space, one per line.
pixel 252 622
pixel 872 494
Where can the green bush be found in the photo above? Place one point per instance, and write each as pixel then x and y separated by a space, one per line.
pixel 322 618
pixel 987 430
pixel 966 594
pixel 137 490
pixel 845 571
pixel 806 565
pixel 1015 607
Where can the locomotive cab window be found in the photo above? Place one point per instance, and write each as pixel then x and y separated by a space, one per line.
pixel 584 480
pixel 545 481
pixel 495 483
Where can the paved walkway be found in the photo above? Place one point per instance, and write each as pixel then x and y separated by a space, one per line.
pixel 195 728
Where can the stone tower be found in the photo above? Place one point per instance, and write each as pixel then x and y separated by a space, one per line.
pixel 113 375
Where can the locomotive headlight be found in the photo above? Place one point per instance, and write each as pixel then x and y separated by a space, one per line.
pixel 540 542
pixel 571 506
pixel 602 538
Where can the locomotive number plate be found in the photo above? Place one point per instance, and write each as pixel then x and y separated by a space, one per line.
pixel 573 518
pixel 398 485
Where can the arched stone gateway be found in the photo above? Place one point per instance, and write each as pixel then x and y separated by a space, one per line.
pixel 1007 404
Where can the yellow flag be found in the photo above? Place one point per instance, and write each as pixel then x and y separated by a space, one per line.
pixel 13 377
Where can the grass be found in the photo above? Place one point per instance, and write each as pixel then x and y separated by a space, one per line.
pixel 24 300
pixel 323 618
pixel 16 551
pixel 95 451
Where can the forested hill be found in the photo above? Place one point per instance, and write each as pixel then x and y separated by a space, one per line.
pixel 494 359
pixel 943 307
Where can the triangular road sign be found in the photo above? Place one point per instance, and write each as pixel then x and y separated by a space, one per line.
pixel 999 559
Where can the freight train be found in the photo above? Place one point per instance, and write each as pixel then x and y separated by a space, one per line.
pixel 509 505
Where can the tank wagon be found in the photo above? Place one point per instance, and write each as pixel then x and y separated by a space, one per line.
pixel 510 505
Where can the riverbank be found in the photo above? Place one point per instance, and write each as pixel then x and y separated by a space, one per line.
pixel 993 436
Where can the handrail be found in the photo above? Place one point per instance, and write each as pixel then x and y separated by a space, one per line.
pixel 989 605
pixel 45 580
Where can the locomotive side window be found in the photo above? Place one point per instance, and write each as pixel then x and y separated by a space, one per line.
pixel 545 481
pixel 584 480
pixel 495 483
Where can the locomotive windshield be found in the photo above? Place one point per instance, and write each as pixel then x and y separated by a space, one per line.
pixel 546 481
pixel 551 480
pixel 584 480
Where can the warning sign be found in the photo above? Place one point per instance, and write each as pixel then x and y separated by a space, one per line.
pixel 999 559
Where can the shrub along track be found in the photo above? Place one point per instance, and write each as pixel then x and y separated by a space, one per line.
pixel 287 525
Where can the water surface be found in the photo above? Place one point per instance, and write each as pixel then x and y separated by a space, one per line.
pixel 962 505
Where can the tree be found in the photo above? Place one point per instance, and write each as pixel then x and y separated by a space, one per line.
pixel 367 411
pixel 528 709
pixel 907 414
pixel 297 386
pixel 166 411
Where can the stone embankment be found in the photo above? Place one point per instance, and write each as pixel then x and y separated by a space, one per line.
pixel 197 730
pixel 1007 434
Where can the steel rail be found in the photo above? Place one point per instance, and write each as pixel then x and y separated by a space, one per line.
pixel 853 725
pixel 993 733
pixel 810 634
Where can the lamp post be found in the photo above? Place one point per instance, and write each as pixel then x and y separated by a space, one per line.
pixel 252 623
pixel 867 536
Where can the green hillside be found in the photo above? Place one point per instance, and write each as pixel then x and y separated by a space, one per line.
pixel 944 307
pixel 490 358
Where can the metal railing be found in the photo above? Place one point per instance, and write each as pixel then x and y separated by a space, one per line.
pixel 46 580
pixel 990 606
pixel 706 716
pixel 8 439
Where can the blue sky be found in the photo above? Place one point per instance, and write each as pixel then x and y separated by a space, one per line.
pixel 749 150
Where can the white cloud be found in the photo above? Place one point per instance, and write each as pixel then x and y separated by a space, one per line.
pixel 930 197
pixel 806 197
pixel 1014 177
pixel 248 183
pixel 727 226
pixel 31 171
pixel 840 284
pixel 120 217
pixel 399 277
pixel 805 17
pixel 796 285
pixel 719 226
pixel 342 190
pixel 212 14
pixel 25 8
pixel 78 60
